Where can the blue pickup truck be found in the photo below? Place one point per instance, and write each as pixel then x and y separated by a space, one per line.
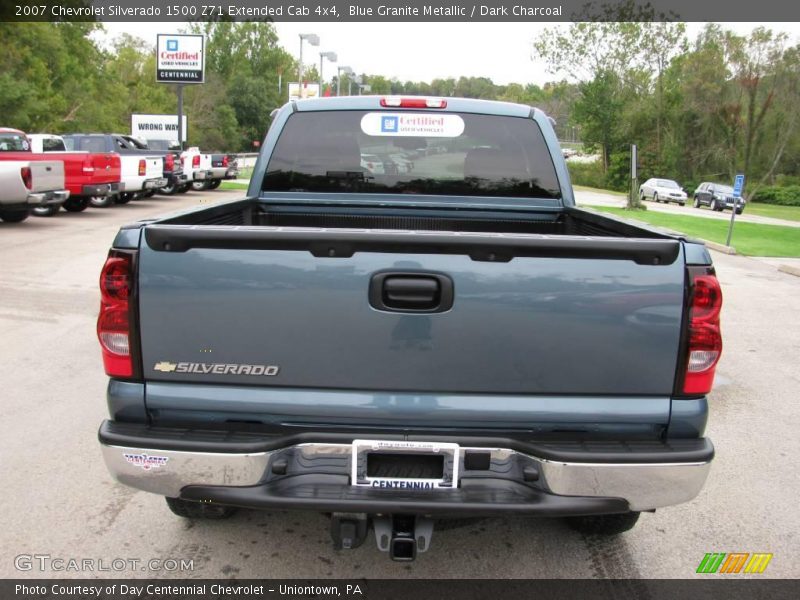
pixel 403 345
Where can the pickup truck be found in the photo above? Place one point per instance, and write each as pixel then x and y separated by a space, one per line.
pixel 85 175
pixel 223 166
pixel 26 184
pixel 394 350
pixel 142 170
pixel 177 180
pixel 197 166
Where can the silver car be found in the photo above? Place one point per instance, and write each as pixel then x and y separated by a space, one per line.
pixel 662 190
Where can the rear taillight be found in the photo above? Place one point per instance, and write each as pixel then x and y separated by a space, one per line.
pixel 88 165
pixel 704 339
pixel 142 168
pixel 398 102
pixel 114 321
pixel 225 161
pixel 196 161
pixel 169 162
pixel 27 177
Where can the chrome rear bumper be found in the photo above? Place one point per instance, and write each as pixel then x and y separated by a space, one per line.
pixel 643 485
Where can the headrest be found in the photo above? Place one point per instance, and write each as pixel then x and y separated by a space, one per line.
pixel 494 164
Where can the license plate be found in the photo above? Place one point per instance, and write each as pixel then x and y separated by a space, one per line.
pixel 404 465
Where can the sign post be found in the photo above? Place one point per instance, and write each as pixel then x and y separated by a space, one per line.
pixel 633 201
pixel 738 189
pixel 180 59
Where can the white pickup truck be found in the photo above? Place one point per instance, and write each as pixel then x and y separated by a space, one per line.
pixel 197 167
pixel 140 173
pixel 25 185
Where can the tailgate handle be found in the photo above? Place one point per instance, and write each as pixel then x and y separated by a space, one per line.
pixel 411 292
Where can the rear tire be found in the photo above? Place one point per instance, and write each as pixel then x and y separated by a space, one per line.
pixel 46 211
pixel 14 216
pixel 102 201
pixel 214 184
pixel 604 524
pixel 123 198
pixel 199 186
pixel 183 189
pixel 168 190
pixel 76 204
pixel 198 510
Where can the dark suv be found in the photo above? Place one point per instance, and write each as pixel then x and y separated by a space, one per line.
pixel 718 196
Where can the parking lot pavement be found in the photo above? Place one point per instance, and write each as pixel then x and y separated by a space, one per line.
pixel 587 197
pixel 61 502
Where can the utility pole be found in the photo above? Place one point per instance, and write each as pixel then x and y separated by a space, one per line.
pixel 180 115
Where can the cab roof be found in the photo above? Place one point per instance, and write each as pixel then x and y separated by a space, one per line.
pixel 463 105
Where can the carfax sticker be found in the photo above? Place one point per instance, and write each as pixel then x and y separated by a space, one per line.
pixel 412 124
pixel 146 461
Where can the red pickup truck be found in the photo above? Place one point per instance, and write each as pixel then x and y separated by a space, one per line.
pixel 86 174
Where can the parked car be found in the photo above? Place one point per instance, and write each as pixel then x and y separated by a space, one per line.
pixel 717 196
pixel 387 358
pixel 26 184
pixel 662 190
pixel 86 174
pixel 142 170
pixel 373 164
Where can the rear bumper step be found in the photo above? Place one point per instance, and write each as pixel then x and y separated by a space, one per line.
pixel 311 471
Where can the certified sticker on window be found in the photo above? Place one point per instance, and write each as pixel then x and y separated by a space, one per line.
pixel 412 124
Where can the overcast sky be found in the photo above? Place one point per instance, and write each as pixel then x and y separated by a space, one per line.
pixel 425 51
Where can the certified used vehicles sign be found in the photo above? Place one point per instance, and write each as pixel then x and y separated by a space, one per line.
pixel 412 124
pixel 180 58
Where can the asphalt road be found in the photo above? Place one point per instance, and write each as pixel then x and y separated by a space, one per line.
pixel 60 502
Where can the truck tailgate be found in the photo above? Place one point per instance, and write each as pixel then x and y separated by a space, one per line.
pixel 563 318
pixel 47 176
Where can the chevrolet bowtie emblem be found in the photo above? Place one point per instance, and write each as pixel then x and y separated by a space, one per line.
pixel 165 367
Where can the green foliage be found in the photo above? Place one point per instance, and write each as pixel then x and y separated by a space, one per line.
pixel 784 196
pixel 589 174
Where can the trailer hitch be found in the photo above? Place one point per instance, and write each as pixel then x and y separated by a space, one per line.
pixel 403 536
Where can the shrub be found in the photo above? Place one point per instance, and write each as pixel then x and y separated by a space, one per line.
pixel 784 195
pixel 589 174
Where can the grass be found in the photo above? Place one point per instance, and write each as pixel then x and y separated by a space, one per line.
pixel 232 185
pixel 775 211
pixel 750 239
pixel 245 172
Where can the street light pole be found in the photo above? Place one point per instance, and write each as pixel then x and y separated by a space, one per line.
pixel 331 56
pixel 312 39
pixel 347 71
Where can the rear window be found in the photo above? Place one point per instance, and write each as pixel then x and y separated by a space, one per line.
pixel 374 152
pixel 52 145
pixel 14 142
pixel 86 143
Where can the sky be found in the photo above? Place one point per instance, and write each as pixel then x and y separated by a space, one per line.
pixel 425 51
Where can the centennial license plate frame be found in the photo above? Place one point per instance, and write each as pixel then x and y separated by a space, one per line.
pixel 361 450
